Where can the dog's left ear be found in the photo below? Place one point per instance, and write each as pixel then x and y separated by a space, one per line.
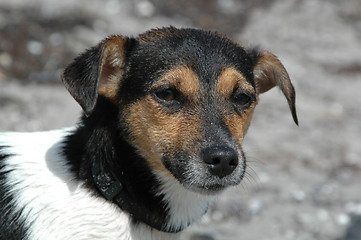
pixel 269 72
pixel 97 71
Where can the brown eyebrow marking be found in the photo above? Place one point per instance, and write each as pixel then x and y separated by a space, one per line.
pixel 239 124
pixel 183 78
pixel 230 79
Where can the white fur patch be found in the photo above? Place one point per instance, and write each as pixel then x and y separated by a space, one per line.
pixel 184 205
pixel 55 205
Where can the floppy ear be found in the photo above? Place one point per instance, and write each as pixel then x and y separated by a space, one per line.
pixel 97 71
pixel 269 72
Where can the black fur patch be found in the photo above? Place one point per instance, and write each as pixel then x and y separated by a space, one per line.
pixel 84 72
pixel 12 224
pixel 98 139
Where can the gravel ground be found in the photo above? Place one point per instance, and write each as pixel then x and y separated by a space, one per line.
pixel 303 182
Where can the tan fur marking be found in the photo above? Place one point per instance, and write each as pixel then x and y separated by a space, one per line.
pixel 183 79
pixel 231 79
pixel 270 72
pixel 267 71
pixel 112 67
pixel 154 131
pixel 239 124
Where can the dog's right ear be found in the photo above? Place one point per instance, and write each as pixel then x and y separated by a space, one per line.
pixel 97 71
pixel 270 72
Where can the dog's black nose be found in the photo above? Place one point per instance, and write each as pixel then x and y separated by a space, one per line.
pixel 221 160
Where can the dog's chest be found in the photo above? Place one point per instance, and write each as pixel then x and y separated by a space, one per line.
pixel 53 205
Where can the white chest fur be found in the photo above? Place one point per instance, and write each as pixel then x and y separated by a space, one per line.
pixel 185 206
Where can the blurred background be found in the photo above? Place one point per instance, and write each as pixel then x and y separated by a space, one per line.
pixel 303 182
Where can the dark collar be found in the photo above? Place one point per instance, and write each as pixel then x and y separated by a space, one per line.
pixel 113 190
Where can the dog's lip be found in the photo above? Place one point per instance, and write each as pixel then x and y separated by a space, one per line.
pixel 215 185
pixel 214 189
pixel 206 190
pixel 210 189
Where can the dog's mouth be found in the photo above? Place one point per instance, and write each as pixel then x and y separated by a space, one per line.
pixel 206 189
pixel 209 185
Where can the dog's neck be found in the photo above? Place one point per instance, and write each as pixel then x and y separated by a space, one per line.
pixel 97 152
pixel 114 190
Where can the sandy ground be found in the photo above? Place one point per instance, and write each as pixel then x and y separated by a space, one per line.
pixel 303 182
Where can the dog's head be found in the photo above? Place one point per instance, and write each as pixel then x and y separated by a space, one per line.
pixel 185 99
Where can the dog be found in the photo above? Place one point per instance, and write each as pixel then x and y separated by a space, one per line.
pixel 165 114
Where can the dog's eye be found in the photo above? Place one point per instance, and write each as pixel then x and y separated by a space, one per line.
pixel 241 98
pixel 166 94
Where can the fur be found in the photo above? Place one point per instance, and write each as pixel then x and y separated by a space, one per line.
pixel 165 115
pixel 45 192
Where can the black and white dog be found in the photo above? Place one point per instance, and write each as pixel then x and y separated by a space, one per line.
pixel 165 117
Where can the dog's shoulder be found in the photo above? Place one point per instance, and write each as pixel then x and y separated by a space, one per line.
pixel 21 163
pixel 22 172
pixel 26 154
pixel 32 166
